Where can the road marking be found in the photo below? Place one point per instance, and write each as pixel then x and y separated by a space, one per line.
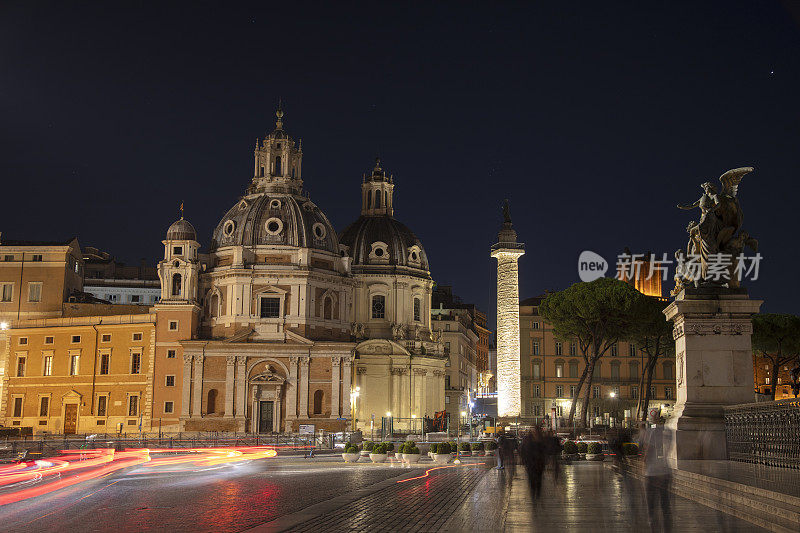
pixel 73 503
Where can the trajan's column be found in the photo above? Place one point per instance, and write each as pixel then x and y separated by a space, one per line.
pixel 508 251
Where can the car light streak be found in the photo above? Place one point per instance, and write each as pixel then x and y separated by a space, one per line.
pixel 77 466
pixel 428 471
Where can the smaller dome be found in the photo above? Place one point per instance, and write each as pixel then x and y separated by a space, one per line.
pixel 181 230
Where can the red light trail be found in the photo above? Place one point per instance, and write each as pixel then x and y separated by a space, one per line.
pixel 428 471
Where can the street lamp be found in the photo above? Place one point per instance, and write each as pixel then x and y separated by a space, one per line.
pixel 4 325
pixel 458 441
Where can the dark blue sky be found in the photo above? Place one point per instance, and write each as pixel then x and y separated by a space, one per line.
pixel 594 119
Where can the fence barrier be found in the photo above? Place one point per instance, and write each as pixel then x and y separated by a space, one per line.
pixel 765 433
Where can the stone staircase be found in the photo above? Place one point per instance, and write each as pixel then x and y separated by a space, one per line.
pixel 771 510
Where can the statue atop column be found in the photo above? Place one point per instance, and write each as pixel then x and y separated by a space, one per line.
pixel 717 240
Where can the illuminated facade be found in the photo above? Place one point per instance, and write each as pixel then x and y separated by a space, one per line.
pixel 507 251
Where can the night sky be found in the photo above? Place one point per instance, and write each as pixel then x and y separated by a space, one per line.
pixel 594 120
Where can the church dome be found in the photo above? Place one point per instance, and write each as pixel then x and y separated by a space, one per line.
pixel 382 240
pixel 276 218
pixel 181 230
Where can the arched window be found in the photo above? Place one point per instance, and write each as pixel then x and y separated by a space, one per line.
pixel 369 199
pixel 176 284
pixel 292 172
pixel 327 308
pixel 386 199
pixel 377 199
pixel 278 166
pixel 262 171
pixel 559 368
pixel 417 309
pixel 318 395
pixel 213 305
pixel 573 369
pixel 211 404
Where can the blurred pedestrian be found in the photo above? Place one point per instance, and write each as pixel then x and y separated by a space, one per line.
pixel 553 450
pixel 532 453
pixel 501 451
pixel 658 477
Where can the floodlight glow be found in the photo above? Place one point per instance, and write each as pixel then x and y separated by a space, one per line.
pixel 3 325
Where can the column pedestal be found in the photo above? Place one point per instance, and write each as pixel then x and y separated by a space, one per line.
pixel 714 368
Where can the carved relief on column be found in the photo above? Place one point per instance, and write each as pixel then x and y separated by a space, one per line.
pixel 197 391
pixel 187 385
pixel 303 388
pixel 347 372
pixel 229 385
pixel 241 386
pixel 336 363
pixel 292 389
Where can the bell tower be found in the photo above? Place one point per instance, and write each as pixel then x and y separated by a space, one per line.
pixel 278 163
pixel 376 193
pixel 179 270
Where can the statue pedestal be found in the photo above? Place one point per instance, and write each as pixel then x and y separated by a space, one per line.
pixel 714 368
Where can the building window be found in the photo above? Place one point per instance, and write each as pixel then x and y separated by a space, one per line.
pixel 573 369
pixel 573 390
pixel 652 391
pixel 596 410
pixel 137 336
pixel 49 340
pixel 614 350
pixel 133 406
pixel 615 371
pixel 378 306
pixel 417 309
pixel 270 307
pixel 44 406
pixel 106 337
pixel 537 410
pixel 134 298
pixel 170 354
pixel 76 339
pixel 35 291
pixel 447 382
pixel 327 308
pixel 616 391
pixel 634 393
pixel 169 407
pixel 535 348
pixel 668 393
pixel 173 325
pixel 74 365
pixel 537 391
pixel 170 381
pixel 48 365
pixel 318 396
pixel 177 250
pixel 632 350
pixel 102 403
pixel 18 407
pixel 136 363
pixel 633 368
pixel 23 341
pixel 558 349
pixel 573 348
pixel 447 347
pixel 559 391
pixel 536 370
pixel 37 258
pixel 104 360
pixel 8 258
pixel 667 369
pixel 211 401
pixel 559 370
pixel 176 284
pixel 7 293
pixel 534 325
pixel 20 367
pixel 596 391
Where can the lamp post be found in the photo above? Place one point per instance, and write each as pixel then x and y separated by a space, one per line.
pixel 353 397
pixel 388 421
pixel 458 441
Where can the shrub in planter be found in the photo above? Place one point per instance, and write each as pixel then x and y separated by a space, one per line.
pixel 350 454
pixel 442 454
pixel 465 448
pixel 630 448
pixel 411 454
pixel 477 447
pixel 367 448
pixel 594 452
pixel 378 454
pixel 491 445
pixel 443 447
pixel 582 446
pixel 389 446
pixel 570 448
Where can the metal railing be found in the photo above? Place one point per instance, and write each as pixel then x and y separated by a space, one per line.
pixel 765 433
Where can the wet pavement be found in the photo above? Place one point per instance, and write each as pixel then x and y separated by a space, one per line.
pixel 326 495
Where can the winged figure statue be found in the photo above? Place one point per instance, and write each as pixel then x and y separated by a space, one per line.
pixel 718 233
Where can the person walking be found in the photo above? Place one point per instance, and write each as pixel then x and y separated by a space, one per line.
pixel 658 478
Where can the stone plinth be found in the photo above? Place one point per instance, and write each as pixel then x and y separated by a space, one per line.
pixel 714 368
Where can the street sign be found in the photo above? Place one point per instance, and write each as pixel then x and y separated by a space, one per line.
pixel 307 429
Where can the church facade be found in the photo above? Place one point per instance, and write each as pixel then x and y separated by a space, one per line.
pixel 284 321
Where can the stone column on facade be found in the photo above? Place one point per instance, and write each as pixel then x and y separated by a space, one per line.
pixel 405 393
pixel 714 368
pixel 419 392
pixel 229 385
pixel 336 362
pixel 187 385
pixel 439 388
pixel 197 391
pixel 291 390
pixel 395 393
pixel 347 373
pixel 241 387
pixel 303 388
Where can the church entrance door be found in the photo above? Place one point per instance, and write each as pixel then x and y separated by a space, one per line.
pixel 265 416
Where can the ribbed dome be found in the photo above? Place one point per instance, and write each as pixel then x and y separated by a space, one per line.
pixel 365 236
pixel 275 218
pixel 181 230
